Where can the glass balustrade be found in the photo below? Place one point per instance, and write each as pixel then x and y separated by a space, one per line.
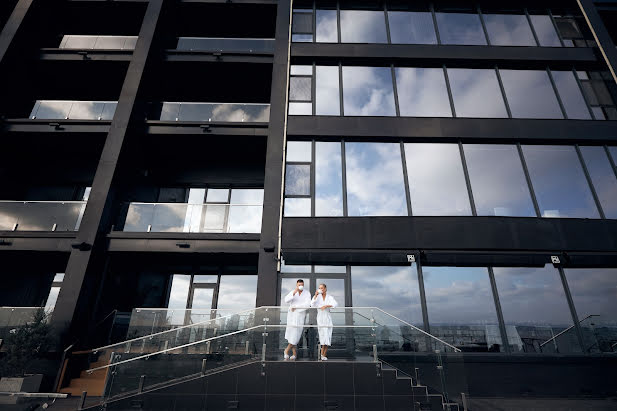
pixel 80 42
pixel 73 110
pixel 226 45
pixel 223 112
pixel 147 321
pixel 193 218
pixel 41 215
pixel 14 317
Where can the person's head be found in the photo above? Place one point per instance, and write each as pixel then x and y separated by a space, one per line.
pixel 300 284
pixel 322 288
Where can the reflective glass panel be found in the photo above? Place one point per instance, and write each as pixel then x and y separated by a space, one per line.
pixel 461 309
pixel 300 109
pixel 613 151
pixel 300 88
pixel 299 151
pixel 559 182
pixel 328 180
pixel 205 278
pixel 237 292
pixel 530 94
pixel 52 298
pixel 534 309
pixel 367 91
pixel 375 184
pixel 411 27
pixel 301 70
pixel 476 93
pixel 603 178
pixel 215 195
pixel 295 268
pixel 202 298
pixel 545 30
pixel 179 294
pixel 498 181
pixel 571 95
pixel 58 278
pixel 330 269
pixel 460 28
pixel 298 179
pixel 422 92
pixel 326 26
pixel 327 98
pixel 436 180
pixel 509 30
pixel 297 207
pixel 393 289
pixel 363 26
pixel 249 196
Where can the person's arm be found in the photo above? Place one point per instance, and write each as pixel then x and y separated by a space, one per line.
pixel 289 297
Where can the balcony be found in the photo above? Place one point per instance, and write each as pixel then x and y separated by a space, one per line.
pixel 41 215
pixel 216 112
pixel 78 42
pixel 73 110
pixel 226 45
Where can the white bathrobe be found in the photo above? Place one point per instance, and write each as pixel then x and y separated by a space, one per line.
pixel 296 318
pixel 324 318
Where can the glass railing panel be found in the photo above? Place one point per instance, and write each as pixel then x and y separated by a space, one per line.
pixel 110 43
pixel 41 215
pixel 139 217
pixel 169 218
pixel 257 113
pixel 223 112
pixel 227 45
pixel 109 109
pixel 130 43
pixel 543 339
pixel 52 110
pixel 148 321
pixel 196 112
pixel 73 110
pixel 86 110
pixel 599 334
pixel 170 112
pixel 78 42
pixel 85 42
pixel 9 214
pixel 245 218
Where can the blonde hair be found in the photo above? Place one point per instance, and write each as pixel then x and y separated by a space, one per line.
pixel 324 286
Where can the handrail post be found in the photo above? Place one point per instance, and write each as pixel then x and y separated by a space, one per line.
pixel 464 399
pixel 203 366
pixel 142 381
pixel 82 400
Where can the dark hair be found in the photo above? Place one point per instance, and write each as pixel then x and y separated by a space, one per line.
pixel 300 281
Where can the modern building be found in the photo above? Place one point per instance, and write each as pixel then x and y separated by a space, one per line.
pixel 447 168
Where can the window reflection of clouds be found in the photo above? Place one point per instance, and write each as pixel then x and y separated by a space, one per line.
pixel 436 181
pixel 509 30
pixel 363 26
pixel 179 291
pixel 393 289
pixel 411 27
pixel 497 181
pixel 545 30
pixel 328 180
pixel 326 31
pixel 237 292
pixel 297 207
pixel 603 178
pixel 571 95
pixel 299 151
pixel 476 93
pixel 375 184
pixel 297 179
pixel 530 94
pixel 368 91
pixel 422 92
pixel 460 28
pixel 327 98
pixel 594 291
pixel 559 182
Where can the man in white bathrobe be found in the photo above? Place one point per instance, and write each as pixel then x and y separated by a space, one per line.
pixel 299 301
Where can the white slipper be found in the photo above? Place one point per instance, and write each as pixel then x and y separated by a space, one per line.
pixel 324 358
pixel 292 358
pixel 285 357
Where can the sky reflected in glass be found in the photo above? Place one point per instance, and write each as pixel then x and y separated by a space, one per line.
pixel 327 98
pixel 603 178
pixel 411 27
pixel 545 30
pixel 326 31
pixel 594 291
pixel 509 30
pixel 571 95
pixel 298 179
pixel 422 92
pixel 530 94
pixel 460 28
pixel 328 180
pixel 476 93
pixel 237 292
pixel 299 151
pixel 363 26
pixel 368 91
pixel 297 207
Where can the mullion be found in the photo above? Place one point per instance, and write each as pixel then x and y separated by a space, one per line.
pixel 580 86
pixel 450 96
pixel 488 39
pixel 312 179
pixel 550 13
pixel 498 309
pixel 425 319
pixel 344 178
pixel 472 202
pixel 434 16
pixel 576 322
pixel 395 90
pixel 528 178
pixel 533 29
pixel 503 92
pixel 563 108
pixel 406 179
pixel 610 160
pixel 385 12
pixel 589 181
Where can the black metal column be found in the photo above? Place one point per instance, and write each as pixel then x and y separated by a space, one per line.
pixel 605 43
pixel 12 26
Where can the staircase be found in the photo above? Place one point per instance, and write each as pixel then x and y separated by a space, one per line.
pixel 93 383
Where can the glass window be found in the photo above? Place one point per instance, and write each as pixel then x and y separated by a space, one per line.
pixel 375 184
pixel 422 92
pixel 509 30
pixel 559 182
pixel 393 289
pixel 58 278
pixel 327 97
pixel 302 21
pixel 328 180
pixel 294 268
pixel 300 109
pixel 498 181
pixel 613 151
pixel 327 31
pixel 545 30
pixel 330 269
pixel 363 26
pixel 461 309
pixel 205 279
pixel 202 298
pixel 298 179
pixel 476 93
pixel 297 207
pixel 367 91
pixel 215 195
pixel 571 95
pixel 297 70
pixel 603 178
pixel 299 151
pixel 300 88
pixel 411 27
pixel 237 292
pixel 534 309
pixel 250 196
pixel 180 285
pixel 530 94
pixel 52 298
pixel 460 28
pixel 436 180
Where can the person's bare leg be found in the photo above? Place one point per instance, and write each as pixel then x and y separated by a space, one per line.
pixel 287 349
pixel 325 350
pixel 295 351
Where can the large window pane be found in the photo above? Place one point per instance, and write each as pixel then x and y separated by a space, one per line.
pixel 509 30
pixel 613 151
pixel 299 151
pixel 535 309
pixel 460 28
pixel 179 294
pixel 326 26
pixel 375 185
pixel 436 180
pixel 411 27
pixel 393 289
pixel 363 26
pixel 297 207
pixel 237 292
pixel 328 180
pixel 545 30
pixel 300 88
pixel 559 182
pixel 298 179
pixel 571 95
pixel 327 98
pixel 422 92
pixel 368 91
pixel 530 94
pixel 498 182
pixel 461 309
pixel 603 178
pixel 476 93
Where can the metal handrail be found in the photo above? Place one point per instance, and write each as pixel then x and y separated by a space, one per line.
pixel 198 204
pixel 226 38
pixel 43 202
pixel 567 329
pixel 213 103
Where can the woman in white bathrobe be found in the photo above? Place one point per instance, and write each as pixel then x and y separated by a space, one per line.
pixel 299 301
pixel 323 301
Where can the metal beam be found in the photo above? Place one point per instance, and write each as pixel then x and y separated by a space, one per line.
pixel 12 26
pixel 600 34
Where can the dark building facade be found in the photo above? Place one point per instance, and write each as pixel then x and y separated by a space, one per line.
pixel 451 165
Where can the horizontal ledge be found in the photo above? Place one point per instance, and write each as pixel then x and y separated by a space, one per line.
pixel 185 236
pixel 37 234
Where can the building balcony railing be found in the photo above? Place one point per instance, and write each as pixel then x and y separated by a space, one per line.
pixel 98 42
pixel 193 218
pixel 73 110
pixel 223 112
pixel 41 215
pixel 226 45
